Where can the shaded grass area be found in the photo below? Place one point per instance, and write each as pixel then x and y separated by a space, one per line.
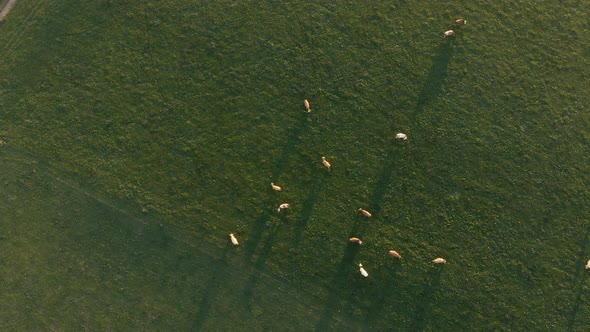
pixel 190 110
pixel 74 259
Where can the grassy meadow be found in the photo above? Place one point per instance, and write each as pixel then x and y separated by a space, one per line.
pixel 136 135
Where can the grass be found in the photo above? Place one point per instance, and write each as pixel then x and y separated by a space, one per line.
pixel 74 259
pixel 187 112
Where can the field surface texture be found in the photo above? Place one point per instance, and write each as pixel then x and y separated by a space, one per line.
pixel 135 136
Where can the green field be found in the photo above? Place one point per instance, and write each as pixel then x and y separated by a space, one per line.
pixel 136 135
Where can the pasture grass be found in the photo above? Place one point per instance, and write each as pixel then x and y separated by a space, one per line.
pixel 187 111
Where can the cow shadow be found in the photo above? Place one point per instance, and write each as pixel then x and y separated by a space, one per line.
pixel 437 75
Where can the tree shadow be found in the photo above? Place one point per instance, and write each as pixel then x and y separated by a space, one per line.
pixel 293 141
pixel 332 305
pixel 254 242
pixel 437 75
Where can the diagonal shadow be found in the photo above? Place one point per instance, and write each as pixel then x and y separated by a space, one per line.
pixel 390 164
pixel 432 88
pixel 262 229
pixel 306 210
pixel 347 263
pixel 258 265
pixel 436 77
pixel 290 148
pixel 387 277
pixel 219 276
pixel 269 232
pixel 381 186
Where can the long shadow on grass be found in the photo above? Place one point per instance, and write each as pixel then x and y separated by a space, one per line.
pixel 307 208
pixel 262 229
pixel 576 282
pixel 437 76
pixel 144 227
pixel 264 234
pixel 340 293
pixel 261 223
pixel 387 277
pixel 425 299
pixel 382 184
pixel 219 277
pixel 291 146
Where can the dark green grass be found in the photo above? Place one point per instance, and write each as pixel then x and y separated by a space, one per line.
pixel 74 259
pixel 189 111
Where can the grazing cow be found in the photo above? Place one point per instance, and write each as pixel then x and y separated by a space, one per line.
pixel 233 239
pixel 395 254
pixel 326 163
pixel 355 240
pixel 365 213
pixel 363 271
pixel 307 107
